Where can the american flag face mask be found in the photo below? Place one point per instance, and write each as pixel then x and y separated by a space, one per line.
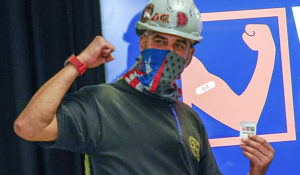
pixel 156 72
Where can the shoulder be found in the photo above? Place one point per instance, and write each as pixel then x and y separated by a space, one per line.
pixel 190 114
pixel 94 90
pixel 115 87
pixel 87 94
pixel 106 92
pixel 186 108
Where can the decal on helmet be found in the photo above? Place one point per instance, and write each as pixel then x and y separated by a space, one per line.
pixel 182 19
pixel 177 17
pixel 164 18
pixel 148 11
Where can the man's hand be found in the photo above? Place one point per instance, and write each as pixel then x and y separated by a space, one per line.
pixel 259 152
pixel 97 53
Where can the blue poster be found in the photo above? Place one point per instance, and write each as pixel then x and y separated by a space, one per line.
pixel 246 68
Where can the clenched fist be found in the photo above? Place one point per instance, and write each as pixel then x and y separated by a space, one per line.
pixel 97 53
pixel 258 37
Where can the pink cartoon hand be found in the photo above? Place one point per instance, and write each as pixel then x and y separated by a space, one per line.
pixel 258 37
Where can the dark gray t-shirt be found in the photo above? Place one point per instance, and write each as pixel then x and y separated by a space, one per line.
pixel 129 133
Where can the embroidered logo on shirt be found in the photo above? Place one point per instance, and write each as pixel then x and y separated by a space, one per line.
pixel 195 147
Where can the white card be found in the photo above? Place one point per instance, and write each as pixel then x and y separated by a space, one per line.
pixel 247 128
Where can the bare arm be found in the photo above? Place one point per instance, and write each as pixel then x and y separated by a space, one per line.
pixel 37 122
pixel 220 101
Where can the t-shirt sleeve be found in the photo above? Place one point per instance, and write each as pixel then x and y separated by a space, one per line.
pixel 78 123
pixel 207 164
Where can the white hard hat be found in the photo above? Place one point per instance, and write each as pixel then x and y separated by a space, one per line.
pixel 176 17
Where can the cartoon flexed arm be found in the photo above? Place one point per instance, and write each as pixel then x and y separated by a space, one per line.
pixel 215 97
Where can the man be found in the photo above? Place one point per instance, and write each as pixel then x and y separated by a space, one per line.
pixel 136 125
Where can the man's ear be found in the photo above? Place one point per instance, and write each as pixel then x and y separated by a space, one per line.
pixel 142 42
pixel 190 56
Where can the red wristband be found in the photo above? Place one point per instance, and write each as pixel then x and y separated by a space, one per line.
pixel 80 66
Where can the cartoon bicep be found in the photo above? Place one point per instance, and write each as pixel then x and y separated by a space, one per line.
pixel 197 81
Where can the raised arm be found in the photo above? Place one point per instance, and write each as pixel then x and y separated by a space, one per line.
pixel 37 122
pixel 217 99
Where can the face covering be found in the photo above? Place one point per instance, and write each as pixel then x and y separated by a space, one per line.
pixel 156 72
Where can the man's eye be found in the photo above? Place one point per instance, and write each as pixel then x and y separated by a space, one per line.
pixel 159 41
pixel 179 46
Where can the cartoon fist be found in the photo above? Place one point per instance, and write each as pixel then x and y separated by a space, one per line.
pixel 258 37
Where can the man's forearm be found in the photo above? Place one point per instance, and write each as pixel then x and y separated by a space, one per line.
pixel 38 121
pixel 41 110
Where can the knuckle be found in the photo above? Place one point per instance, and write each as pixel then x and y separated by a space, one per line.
pixel 272 156
pixel 260 148
pixel 98 39
pixel 255 152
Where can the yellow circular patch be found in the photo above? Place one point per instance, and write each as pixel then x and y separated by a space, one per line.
pixel 195 147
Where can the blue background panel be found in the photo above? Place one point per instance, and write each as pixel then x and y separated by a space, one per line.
pixel 119 18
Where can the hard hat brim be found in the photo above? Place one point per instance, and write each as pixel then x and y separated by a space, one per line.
pixel 144 26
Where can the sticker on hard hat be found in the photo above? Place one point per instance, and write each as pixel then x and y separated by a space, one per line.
pixel 164 18
pixel 182 19
pixel 148 11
